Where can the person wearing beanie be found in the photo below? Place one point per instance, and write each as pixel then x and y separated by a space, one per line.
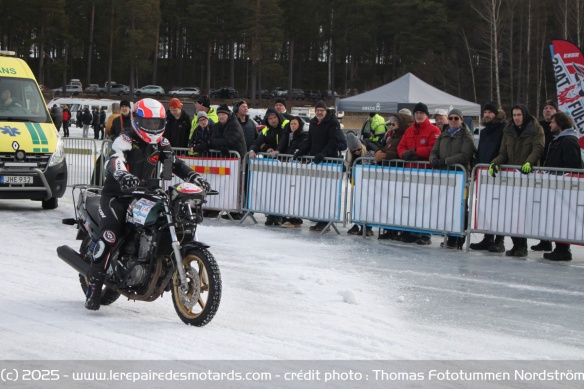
pixel 416 145
pixel 203 103
pixel 227 134
pixel 454 146
pixel 522 144
pixel 323 141
pixel 241 110
pixel 200 140
pixel 123 121
pixel 550 108
pixel 374 128
pixel 223 108
pixel 280 106
pixel 178 124
pixel 489 144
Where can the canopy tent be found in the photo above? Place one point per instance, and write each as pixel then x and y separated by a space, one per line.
pixel 405 92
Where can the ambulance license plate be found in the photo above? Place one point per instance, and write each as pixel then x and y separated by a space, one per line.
pixel 15 179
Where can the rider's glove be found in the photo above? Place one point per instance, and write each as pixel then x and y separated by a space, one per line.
pixel 318 158
pixel 199 180
pixel 526 169
pixel 127 180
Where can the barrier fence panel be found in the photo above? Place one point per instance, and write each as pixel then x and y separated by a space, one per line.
pixel 545 204
pixel 299 189
pixel 222 173
pixel 415 197
pixel 81 154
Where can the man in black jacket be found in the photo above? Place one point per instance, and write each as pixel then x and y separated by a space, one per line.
pixel 564 151
pixel 122 122
pixel 178 124
pixel 227 134
pixel 489 144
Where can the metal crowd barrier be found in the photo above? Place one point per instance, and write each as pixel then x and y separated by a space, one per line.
pixel 81 154
pixel 409 196
pixel 300 189
pixel 223 172
pixel 546 204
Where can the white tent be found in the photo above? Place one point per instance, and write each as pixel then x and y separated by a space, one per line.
pixel 405 92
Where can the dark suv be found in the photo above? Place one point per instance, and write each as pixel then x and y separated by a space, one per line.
pixel 116 89
pixel 297 94
pixel 312 94
pixel 225 92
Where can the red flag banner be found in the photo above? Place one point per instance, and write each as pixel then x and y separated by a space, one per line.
pixel 569 71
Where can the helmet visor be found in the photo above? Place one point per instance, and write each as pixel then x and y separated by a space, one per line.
pixel 151 125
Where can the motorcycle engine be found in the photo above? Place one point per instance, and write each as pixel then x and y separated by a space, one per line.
pixel 137 275
pixel 137 263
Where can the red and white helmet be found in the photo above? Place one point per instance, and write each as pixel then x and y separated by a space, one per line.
pixel 149 120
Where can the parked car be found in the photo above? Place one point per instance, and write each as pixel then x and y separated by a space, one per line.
pixel 152 90
pixel 191 91
pixel 92 88
pixel 297 94
pixel 312 94
pixel 329 93
pixel 116 89
pixel 263 94
pixel 279 91
pixel 225 92
pixel 71 89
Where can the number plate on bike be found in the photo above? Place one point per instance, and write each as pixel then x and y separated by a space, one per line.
pixel 15 179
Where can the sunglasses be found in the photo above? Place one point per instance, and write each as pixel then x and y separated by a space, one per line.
pixel 393 124
pixel 453 118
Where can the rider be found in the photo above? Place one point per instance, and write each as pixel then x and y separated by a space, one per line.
pixel 134 159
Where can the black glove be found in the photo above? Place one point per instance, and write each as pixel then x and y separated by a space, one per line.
pixel 438 163
pixel 197 179
pixel 127 180
pixel 225 151
pixel 318 158
pixel 297 155
pixel 408 154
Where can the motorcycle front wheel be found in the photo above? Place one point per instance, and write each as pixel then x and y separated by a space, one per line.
pixel 198 304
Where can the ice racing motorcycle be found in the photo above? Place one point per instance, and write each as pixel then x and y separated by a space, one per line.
pixel 158 251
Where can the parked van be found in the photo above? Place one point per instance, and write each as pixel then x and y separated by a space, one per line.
pixel 32 154
pixel 75 104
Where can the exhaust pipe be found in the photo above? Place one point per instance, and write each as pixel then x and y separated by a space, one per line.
pixel 73 259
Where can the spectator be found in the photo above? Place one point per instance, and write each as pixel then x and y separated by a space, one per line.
pixel 292 140
pixel 200 141
pixel 203 103
pixel 178 124
pixel 564 151
pixel 441 119
pixel 416 145
pixel 57 116
pixel 374 128
pixel 95 122
pixel 489 144
pixel 455 146
pixel 79 117
pixel 102 118
pixel 268 142
pixel 522 144
pixel 66 120
pixel 227 134
pixel 86 119
pixel 322 142
pixel 357 149
pixel 280 107
pixel 123 122
pixel 549 109
pixel 110 120
pixel 398 124
pixel 250 132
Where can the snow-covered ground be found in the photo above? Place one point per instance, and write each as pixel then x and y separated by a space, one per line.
pixel 294 295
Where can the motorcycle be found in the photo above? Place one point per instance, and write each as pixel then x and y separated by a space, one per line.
pixel 158 252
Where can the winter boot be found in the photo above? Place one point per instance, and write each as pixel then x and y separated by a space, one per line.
pixel 557 255
pixel 543 245
pixel 517 251
pixel 368 231
pixel 387 234
pixel 96 276
pixel 499 245
pixel 484 244
pixel 353 230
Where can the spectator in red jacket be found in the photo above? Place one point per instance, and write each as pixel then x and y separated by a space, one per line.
pixel 416 145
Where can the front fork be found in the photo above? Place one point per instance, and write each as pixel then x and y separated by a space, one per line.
pixel 176 248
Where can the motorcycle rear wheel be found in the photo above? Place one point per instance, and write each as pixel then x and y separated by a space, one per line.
pixel 108 296
pixel 199 304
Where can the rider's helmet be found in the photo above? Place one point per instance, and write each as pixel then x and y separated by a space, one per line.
pixel 148 120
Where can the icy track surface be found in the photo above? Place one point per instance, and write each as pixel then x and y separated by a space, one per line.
pixel 294 294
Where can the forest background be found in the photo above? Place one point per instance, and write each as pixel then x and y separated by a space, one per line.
pixel 480 50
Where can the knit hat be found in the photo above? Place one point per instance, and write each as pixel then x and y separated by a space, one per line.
pixel 353 143
pixel 175 103
pixel 280 101
pixel 551 103
pixel 441 112
pixel 320 104
pixel 491 106
pixel 125 103
pixel 205 101
pixel 457 112
pixel 223 108
pixel 202 114
pixel 421 107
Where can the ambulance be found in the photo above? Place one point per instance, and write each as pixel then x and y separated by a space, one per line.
pixel 32 154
